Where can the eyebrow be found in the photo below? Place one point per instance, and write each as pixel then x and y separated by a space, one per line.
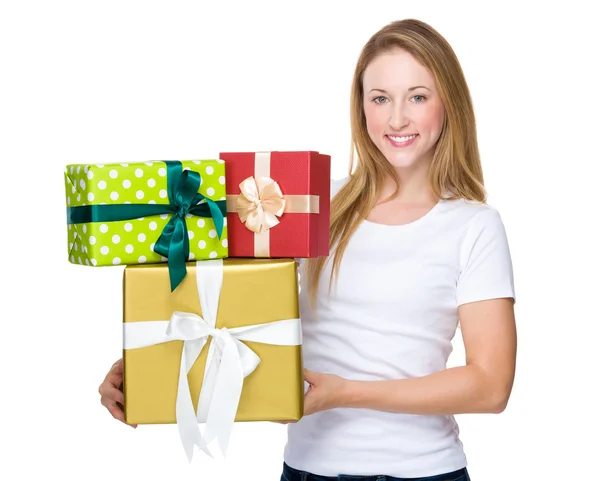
pixel 410 89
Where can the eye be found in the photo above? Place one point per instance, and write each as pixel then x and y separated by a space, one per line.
pixel 421 97
pixel 379 100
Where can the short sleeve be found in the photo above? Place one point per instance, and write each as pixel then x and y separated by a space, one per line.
pixel 485 260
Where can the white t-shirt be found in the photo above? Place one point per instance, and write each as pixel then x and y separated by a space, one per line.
pixel 393 316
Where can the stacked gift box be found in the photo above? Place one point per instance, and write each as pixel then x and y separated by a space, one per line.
pixel 211 322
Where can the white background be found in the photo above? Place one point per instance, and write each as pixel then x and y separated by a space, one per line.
pixel 141 80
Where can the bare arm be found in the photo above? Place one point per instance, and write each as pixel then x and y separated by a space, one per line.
pixel 483 385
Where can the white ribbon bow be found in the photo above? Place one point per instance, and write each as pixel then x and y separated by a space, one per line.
pixel 228 361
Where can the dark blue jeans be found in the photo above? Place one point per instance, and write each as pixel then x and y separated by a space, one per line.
pixel 291 474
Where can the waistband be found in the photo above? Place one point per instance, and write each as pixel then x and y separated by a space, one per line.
pixel 292 474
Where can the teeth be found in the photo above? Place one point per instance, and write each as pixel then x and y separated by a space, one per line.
pixel 402 139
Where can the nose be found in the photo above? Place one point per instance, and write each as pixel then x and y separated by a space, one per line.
pixel 398 118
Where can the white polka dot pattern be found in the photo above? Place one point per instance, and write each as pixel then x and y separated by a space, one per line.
pixel 132 241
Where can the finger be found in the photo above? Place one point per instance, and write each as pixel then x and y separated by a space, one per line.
pixel 116 395
pixel 113 394
pixel 109 391
pixel 310 376
pixel 117 413
pixel 117 366
pixel 308 405
pixel 115 372
pixel 107 386
pixel 115 379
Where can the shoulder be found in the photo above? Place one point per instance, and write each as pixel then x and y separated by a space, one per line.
pixel 482 229
pixel 485 257
pixel 473 222
pixel 473 214
pixel 483 216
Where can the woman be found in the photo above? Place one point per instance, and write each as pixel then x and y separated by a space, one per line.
pixel 415 249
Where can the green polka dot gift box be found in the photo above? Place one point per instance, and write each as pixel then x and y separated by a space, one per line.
pixel 147 212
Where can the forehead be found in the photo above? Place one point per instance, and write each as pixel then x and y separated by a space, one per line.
pixel 396 70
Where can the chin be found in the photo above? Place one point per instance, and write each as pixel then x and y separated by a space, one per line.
pixel 401 161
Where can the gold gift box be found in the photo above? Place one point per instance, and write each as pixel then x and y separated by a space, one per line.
pixel 254 291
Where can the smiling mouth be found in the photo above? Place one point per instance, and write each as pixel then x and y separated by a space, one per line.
pixel 402 139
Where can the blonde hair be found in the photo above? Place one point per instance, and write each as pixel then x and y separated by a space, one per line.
pixel 455 171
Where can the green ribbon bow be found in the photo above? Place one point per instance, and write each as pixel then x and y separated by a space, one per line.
pixel 184 199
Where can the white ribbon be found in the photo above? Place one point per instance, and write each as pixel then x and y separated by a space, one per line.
pixel 228 361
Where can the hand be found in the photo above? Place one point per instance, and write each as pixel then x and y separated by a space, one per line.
pixel 112 397
pixel 326 391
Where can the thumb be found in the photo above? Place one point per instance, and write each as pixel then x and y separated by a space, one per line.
pixel 310 376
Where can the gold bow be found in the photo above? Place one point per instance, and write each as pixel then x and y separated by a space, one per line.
pixel 260 203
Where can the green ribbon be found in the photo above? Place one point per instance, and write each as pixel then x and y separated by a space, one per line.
pixel 184 199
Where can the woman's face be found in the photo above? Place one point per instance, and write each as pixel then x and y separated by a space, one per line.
pixel 403 111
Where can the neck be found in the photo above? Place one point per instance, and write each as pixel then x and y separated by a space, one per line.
pixel 414 186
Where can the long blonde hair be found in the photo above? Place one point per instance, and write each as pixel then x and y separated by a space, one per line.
pixel 455 170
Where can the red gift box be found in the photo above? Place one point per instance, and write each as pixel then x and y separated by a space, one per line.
pixel 277 203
